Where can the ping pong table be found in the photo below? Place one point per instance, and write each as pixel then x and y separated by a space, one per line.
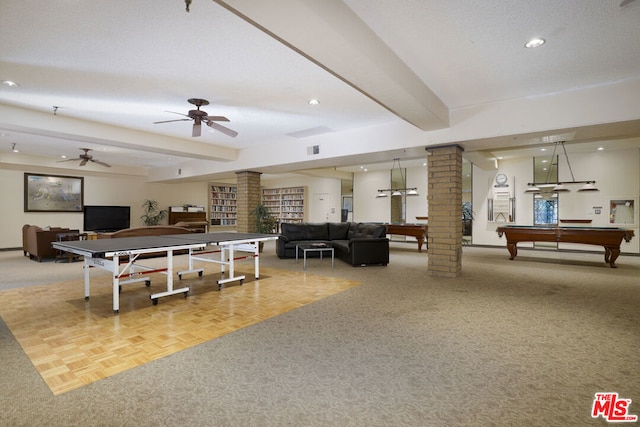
pixel 106 254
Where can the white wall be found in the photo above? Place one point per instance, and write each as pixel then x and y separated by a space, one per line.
pixel 99 189
pixel 617 175
pixel 368 208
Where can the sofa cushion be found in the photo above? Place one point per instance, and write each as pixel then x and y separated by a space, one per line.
pixel 341 245
pixel 353 229
pixel 338 231
pixel 305 231
pixel 367 230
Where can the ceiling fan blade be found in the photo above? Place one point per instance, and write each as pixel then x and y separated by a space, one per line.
pixel 101 163
pixel 197 129
pixel 168 121
pixel 216 118
pixel 84 162
pixel 225 130
pixel 69 160
pixel 626 2
pixel 175 112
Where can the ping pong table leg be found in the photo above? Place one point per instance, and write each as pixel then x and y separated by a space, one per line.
pixel 170 290
pixel 223 258
pixel 116 285
pixel 86 278
pixel 256 257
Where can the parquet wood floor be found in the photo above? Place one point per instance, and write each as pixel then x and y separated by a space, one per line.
pixel 73 342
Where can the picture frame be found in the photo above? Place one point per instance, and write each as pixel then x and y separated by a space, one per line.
pixel 53 193
pixel 623 211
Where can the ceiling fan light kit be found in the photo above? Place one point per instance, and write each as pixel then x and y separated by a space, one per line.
pixel 199 116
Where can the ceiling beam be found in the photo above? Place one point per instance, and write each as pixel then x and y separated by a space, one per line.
pixel 56 126
pixel 330 34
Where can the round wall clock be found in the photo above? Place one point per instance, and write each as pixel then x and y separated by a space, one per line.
pixel 501 179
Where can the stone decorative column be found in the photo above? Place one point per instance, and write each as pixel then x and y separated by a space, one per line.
pixel 445 210
pixel 247 198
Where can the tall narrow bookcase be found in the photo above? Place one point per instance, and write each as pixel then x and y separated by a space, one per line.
pixel 223 208
pixel 286 204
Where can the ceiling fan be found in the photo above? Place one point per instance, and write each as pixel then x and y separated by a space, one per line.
pixel 86 157
pixel 198 116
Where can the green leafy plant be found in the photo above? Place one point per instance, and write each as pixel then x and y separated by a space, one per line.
pixel 265 222
pixel 152 215
pixel 467 218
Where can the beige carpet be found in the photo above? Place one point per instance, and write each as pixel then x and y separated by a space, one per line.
pixel 508 343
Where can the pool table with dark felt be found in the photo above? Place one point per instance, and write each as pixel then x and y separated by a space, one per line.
pixel 608 237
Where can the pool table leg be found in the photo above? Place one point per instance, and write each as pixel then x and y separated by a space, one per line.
pixel 610 255
pixel 513 249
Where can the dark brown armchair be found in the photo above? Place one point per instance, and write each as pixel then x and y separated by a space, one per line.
pixel 38 241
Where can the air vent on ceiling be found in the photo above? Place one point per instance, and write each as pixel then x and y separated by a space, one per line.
pixel 314 149
pixel 311 132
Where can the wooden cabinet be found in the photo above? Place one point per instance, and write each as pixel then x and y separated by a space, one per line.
pixel 286 204
pixel 223 208
pixel 189 217
pixel 178 216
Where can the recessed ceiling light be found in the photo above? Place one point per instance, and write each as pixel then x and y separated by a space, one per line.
pixel 63 156
pixel 314 102
pixel 600 148
pixel 10 83
pixel 535 42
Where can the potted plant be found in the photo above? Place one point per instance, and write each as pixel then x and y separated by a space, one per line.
pixel 467 218
pixel 152 215
pixel 265 222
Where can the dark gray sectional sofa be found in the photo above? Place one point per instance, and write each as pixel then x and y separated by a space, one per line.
pixel 353 242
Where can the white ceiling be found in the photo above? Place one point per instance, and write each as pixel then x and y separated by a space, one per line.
pixel 126 64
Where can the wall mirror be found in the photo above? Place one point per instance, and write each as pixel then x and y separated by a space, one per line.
pixel 545 203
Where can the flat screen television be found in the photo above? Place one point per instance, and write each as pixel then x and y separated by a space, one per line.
pixel 106 219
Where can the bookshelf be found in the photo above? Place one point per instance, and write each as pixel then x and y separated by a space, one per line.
pixel 286 204
pixel 223 209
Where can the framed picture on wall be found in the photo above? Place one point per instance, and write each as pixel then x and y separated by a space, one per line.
pixel 622 211
pixel 53 193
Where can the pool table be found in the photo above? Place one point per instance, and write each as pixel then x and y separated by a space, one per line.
pixel 608 237
pixel 419 231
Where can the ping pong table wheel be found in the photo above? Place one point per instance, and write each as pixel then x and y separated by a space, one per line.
pixel 199 273
pixel 241 282
pixel 147 283
pixel 179 276
pixel 154 301
pixel 186 293
pixel 116 311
